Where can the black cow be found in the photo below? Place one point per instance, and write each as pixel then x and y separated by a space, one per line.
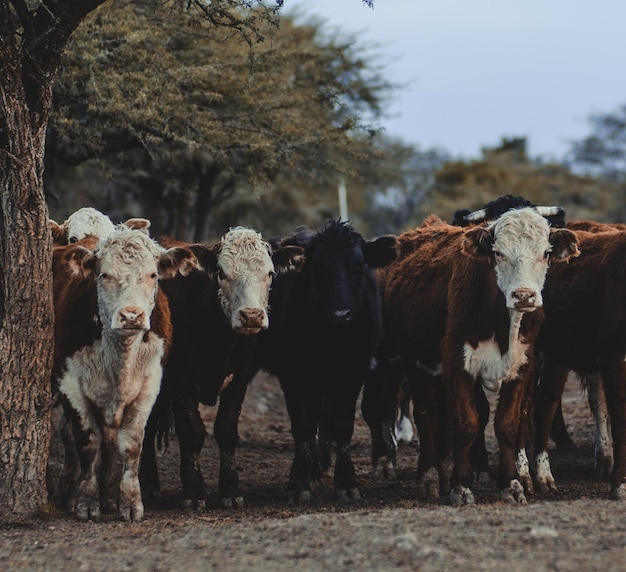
pixel 325 325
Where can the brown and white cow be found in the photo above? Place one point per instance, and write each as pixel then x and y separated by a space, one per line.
pixel 113 330
pixel 217 311
pixel 585 332
pixel 466 304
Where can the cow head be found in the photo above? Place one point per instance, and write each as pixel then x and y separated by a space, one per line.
pixel 339 262
pixel 244 265
pixel 127 266
pixel 88 221
pixel 521 245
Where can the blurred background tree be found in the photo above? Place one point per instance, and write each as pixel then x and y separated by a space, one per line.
pixel 156 115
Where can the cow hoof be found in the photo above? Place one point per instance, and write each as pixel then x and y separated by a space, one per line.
pixel 109 506
pixel 347 494
pixel 86 511
pixel 132 513
pixel 384 470
pixel 514 494
pixel 193 504
pixel 619 494
pixel 299 497
pixel 461 496
pixel 428 485
pixel 232 502
pixel 604 468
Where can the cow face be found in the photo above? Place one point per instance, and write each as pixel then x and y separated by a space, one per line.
pixel 127 266
pixel 521 244
pixel 244 265
pixel 340 261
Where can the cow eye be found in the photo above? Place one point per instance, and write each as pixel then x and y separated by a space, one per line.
pixel 546 254
pixel 73 240
pixel 272 274
pixel 499 256
pixel 104 276
pixel 219 274
pixel 154 276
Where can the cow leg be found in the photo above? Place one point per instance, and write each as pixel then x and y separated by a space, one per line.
pixel 88 439
pixel 480 457
pixel 425 394
pixel 614 381
pixel 325 440
pixel 525 439
pixel 465 422
pixel 148 468
pixel 547 399
pixel 506 425
pixel 558 432
pixel 304 413
pixel 379 406
pixel 191 432
pixel 70 473
pixel 109 474
pixel 227 437
pixel 342 427
pixel 603 450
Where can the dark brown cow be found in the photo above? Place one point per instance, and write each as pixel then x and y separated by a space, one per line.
pixel 216 312
pixel 466 303
pixel 584 332
pixel 112 332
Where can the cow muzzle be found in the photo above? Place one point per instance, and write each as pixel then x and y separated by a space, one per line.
pixel 130 320
pixel 250 321
pixel 524 300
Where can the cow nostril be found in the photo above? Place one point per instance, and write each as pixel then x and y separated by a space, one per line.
pixel 524 295
pixel 342 314
pixel 128 314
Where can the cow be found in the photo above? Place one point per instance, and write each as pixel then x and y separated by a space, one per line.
pixel 324 329
pixel 112 332
pixel 464 305
pixel 584 333
pixel 84 227
pixel 380 389
pixel 217 312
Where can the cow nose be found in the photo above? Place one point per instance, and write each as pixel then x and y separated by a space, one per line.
pixel 251 318
pixel 131 317
pixel 524 297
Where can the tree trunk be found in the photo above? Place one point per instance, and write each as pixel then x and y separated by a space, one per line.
pixel 26 309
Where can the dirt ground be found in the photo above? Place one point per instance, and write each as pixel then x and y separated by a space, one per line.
pixel 577 529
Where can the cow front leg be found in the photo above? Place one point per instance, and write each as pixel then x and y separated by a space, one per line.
pixel 546 401
pixel 130 440
pixel 465 423
pixel 191 433
pixel 342 426
pixel 226 430
pixel 603 449
pixel 506 425
pixel 379 407
pixel 88 439
pixel 109 471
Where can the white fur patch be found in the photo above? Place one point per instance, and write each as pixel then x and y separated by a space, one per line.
pixel 490 364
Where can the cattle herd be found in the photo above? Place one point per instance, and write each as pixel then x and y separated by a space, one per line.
pixel 509 299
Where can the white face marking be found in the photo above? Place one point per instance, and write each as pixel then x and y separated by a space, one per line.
pixel 85 221
pixel 245 278
pixel 127 280
pixel 490 364
pixel 521 246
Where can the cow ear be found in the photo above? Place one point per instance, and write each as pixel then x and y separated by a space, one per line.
pixel 142 224
pixel 176 260
pixel 564 245
pixel 381 251
pixel 477 242
pixel 81 260
pixel 206 257
pixel 59 233
pixel 288 257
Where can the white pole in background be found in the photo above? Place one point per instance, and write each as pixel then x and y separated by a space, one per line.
pixel 343 200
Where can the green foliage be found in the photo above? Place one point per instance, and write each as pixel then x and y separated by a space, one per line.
pixel 157 94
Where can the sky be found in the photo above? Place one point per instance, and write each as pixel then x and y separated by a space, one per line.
pixel 476 71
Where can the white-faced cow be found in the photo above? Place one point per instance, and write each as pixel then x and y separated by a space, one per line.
pixel 585 332
pixel 112 330
pixel 464 306
pixel 217 311
pixel 325 326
